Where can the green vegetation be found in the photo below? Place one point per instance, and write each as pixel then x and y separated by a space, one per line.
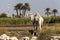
pixel 27 20
pixel 53 28
pixel 14 20
pixel 52 19
pixel 49 30
pixel 3 15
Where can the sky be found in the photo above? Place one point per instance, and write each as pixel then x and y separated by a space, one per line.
pixel 36 5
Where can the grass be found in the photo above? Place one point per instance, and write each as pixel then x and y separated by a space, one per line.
pixel 47 30
pixel 51 29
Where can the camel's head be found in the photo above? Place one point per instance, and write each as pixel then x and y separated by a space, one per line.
pixel 37 13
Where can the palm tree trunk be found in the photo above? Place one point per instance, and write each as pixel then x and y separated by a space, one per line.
pixel 54 14
pixel 17 12
pixel 20 12
pixel 47 15
pixel 24 12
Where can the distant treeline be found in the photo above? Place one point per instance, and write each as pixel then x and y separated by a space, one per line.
pixel 27 20
pixel 52 19
pixel 14 20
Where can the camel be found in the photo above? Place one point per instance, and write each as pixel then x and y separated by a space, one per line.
pixel 4 37
pixel 37 21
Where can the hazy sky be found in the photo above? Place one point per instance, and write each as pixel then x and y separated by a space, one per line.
pixel 36 5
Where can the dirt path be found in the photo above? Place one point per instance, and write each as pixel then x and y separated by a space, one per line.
pixel 16 28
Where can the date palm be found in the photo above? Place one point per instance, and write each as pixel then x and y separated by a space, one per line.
pixel 47 11
pixel 16 8
pixel 25 7
pixel 13 15
pixel 19 7
pixel 54 11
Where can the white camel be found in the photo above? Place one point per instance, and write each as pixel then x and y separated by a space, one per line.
pixel 4 37
pixel 33 38
pixel 39 18
pixel 13 38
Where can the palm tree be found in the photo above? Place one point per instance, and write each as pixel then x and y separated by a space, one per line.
pixel 54 11
pixel 24 10
pixel 25 7
pixel 47 12
pixel 13 15
pixel 20 7
pixel 16 8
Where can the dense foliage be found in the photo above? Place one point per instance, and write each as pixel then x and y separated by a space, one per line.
pixel 14 20
pixel 3 15
pixel 27 20
pixel 52 19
